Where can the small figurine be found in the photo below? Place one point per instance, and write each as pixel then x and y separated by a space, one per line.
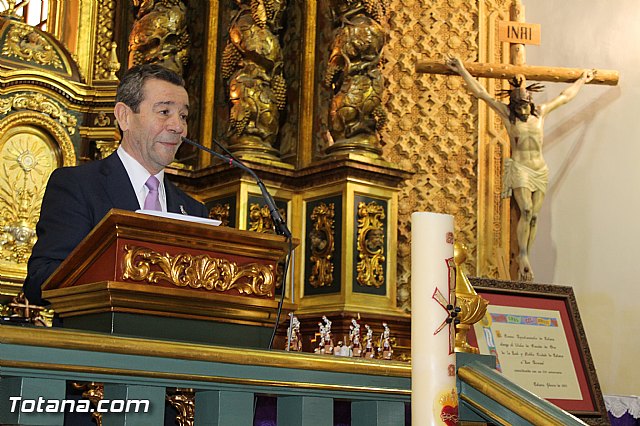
pixel 294 337
pixel 369 352
pixel 320 339
pixel 328 341
pixel 354 338
pixel 384 346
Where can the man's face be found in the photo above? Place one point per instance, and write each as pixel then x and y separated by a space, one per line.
pixel 153 134
pixel 522 111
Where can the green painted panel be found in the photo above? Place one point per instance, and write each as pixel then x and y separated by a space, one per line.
pixel 224 408
pixel 377 413
pixel 34 401
pixel 128 406
pixel 305 411
pixel 176 329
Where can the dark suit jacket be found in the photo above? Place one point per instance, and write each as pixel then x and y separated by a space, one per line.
pixel 75 200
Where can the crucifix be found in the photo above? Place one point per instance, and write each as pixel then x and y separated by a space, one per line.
pixel 525 173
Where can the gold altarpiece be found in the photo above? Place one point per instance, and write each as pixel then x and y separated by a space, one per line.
pixel 54 110
pixel 348 202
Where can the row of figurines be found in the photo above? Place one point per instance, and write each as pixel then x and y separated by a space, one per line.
pixel 358 346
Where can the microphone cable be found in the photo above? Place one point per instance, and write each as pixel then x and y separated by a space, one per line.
pixel 279 223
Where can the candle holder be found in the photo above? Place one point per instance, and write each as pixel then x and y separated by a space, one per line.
pixel 472 306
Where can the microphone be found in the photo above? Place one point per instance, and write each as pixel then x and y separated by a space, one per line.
pixel 278 221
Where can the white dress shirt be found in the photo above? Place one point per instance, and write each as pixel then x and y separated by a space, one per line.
pixel 138 175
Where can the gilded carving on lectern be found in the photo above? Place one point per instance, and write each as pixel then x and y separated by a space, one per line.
pixel 252 66
pixel 201 271
pixel 25 44
pixel 159 34
pixel 370 244
pixel 354 74
pixel 321 240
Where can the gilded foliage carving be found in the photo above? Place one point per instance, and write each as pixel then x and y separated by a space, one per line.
pixel 220 212
pixel 260 218
pixel 370 267
pixel 321 240
pixel 41 103
pixel 94 392
pixel 183 400
pixel 24 43
pixel 106 148
pixel 201 271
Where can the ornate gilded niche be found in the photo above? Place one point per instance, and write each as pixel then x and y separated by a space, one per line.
pixel 47 117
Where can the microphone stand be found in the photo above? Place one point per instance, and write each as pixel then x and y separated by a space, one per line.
pixel 279 223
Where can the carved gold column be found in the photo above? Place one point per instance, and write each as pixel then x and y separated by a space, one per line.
pixel 355 77
pixel 252 66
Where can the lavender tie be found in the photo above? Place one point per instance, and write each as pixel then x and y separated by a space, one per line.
pixel 152 202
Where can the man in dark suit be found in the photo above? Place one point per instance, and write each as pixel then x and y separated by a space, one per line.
pixel 151 108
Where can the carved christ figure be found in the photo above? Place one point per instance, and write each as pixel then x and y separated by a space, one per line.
pixel 525 174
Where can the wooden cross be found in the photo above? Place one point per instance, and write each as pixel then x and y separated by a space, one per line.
pixel 518 33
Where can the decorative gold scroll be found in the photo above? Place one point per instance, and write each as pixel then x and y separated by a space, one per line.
pixel 201 271
pixel 221 212
pixel 260 218
pixel 94 392
pixel 41 103
pixel 321 239
pixel 183 400
pixel 24 43
pixel 370 244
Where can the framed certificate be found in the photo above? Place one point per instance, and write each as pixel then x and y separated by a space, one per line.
pixel 536 334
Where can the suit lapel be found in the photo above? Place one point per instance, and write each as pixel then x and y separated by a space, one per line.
pixel 117 184
pixel 173 198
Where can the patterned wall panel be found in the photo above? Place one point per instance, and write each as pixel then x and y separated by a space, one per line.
pixel 433 122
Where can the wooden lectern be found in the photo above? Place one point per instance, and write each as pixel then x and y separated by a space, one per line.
pixel 157 277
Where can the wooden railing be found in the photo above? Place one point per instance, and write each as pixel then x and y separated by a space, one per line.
pixel 215 385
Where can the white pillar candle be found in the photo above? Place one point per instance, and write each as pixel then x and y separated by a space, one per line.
pixel 433 383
